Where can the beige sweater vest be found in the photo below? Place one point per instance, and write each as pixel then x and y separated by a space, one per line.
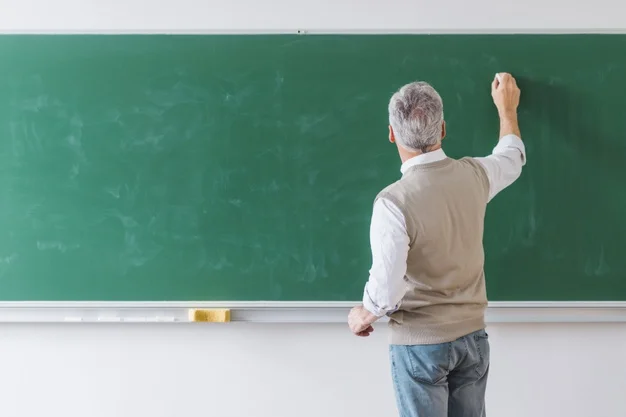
pixel 444 206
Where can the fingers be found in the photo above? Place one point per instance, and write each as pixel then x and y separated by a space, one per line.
pixel 365 332
pixel 495 83
pixel 503 78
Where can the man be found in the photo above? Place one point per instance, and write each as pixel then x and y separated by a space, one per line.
pixel 426 238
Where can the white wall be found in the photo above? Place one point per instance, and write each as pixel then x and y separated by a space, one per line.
pixel 241 370
pixel 324 15
pixel 572 370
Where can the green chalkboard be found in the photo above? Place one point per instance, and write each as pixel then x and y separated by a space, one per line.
pixel 244 167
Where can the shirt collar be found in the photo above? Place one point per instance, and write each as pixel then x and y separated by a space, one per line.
pixel 424 158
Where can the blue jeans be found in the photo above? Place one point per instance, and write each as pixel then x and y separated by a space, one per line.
pixel 443 380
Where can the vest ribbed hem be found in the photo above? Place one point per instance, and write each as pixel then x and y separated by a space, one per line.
pixel 414 333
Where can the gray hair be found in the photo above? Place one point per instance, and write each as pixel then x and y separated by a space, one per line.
pixel 416 116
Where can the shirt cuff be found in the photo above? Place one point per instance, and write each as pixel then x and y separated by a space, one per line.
pixel 370 306
pixel 511 141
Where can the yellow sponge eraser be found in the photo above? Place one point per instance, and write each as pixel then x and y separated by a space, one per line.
pixel 210 315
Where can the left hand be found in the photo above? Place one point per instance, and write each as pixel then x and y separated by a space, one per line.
pixel 360 321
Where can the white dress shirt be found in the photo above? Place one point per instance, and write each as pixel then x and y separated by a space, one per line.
pixel 388 236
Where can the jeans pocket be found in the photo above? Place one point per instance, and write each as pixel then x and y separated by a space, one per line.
pixel 481 340
pixel 429 363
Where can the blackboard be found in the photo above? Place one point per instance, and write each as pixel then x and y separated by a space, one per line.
pixel 243 167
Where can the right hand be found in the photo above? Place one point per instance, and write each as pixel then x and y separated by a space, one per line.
pixel 505 94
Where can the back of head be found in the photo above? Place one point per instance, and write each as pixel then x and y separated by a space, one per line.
pixel 416 116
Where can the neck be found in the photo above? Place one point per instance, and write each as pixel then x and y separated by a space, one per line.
pixel 405 154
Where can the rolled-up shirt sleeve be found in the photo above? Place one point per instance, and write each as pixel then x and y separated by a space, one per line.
pixel 390 245
pixel 505 163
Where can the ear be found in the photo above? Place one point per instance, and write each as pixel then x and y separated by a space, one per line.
pixel 443 130
pixel 392 136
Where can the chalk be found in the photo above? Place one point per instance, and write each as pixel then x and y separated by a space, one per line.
pixel 211 316
pixel 498 77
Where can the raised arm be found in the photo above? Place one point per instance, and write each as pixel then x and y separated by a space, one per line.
pixel 505 163
pixel 506 95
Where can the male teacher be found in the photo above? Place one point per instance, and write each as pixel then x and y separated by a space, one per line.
pixel 427 249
